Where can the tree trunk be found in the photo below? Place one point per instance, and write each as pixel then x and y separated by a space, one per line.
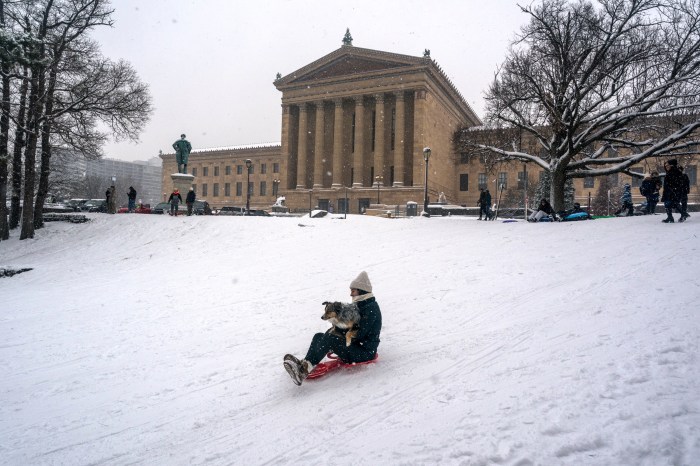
pixel 20 139
pixel 556 195
pixel 35 107
pixel 45 169
pixel 4 151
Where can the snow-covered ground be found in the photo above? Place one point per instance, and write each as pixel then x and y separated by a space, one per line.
pixel 146 339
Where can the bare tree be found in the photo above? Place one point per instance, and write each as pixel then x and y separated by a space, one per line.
pixel 596 89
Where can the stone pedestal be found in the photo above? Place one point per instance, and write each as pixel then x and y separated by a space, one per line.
pixel 182 182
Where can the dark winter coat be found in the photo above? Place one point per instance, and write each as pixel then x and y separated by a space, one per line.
pixel 626 197
pixel 674 185
pixel 650 187
pixel 190 197
pixel 370 324
pixel 686 186
pixel 175 198
pixel 132 194
pixel 545 207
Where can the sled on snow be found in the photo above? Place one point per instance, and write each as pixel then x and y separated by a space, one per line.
pixel 334 363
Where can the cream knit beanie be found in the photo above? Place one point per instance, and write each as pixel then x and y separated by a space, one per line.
pixel 362 282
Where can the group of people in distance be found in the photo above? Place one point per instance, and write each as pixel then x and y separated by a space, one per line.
pixel 676 187
pixel 175 200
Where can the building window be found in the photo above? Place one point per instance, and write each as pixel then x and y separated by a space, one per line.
pixel 263 168
pixel 239 188
pixel 263 188
pixel 692 172
pixel 342 206
pixel 204 189
pixel 464 182
pixel 503 180
pixel 194 171
pixel 205 171
pixel 275 168
pixel 227 189
pixel 252 168
pixel 216 190
pixel 216 171
pixel 482 181
pixel 228 169
pixel 614 179
pixel 588 182
pixel 521 180
pixel 463 158
pixel 239 169
pixel 251 189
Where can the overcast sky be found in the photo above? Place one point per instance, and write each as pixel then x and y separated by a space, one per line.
pixel 211 64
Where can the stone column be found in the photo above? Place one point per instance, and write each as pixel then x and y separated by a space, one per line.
pixel 302 148
pixel 285 166
pixel 319 156
pixel 379 136
pixel 358 164
pixel 399 143
pixel 338 144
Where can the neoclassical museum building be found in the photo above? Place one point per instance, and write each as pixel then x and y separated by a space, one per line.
pixel 355 124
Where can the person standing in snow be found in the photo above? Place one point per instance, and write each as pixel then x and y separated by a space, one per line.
pixel 484 204
pixel 175 199
pixel 673 191
pixel 626 200
pixel 189 200
pixel 364 345
pixel 684 195
pixel 131 195
pixel 650 188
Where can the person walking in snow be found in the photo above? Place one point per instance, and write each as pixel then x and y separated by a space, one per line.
pixel 626 201
pixel 673 191
pixel 364 345
pixel 175 199
pixel 543 209
pixel 189 200
pixel 131 195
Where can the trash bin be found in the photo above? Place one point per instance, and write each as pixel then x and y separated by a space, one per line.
pixel 411 209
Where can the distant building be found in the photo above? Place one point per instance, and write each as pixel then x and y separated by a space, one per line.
pixel 145 176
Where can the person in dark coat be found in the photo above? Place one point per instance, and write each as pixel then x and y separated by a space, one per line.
pixel 684 195
pixel 544 208
pixel 189 200
pixel 673 190
pixel 131 195
pixel 650 188
pixel 175 199
pixel 364 345
pixel 484 204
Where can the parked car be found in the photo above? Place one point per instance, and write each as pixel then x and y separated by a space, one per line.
pixel 76 204
pixel 260 213
pixel 199 208
pixel 141 209
pixel 231 210
pixel 94 205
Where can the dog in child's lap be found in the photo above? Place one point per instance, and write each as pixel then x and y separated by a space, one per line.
pixel 342 316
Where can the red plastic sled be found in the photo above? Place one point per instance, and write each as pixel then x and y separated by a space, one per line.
pixel 324 368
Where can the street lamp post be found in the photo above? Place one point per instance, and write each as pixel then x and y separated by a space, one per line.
pixel 248 165
pixel 311 191
pixel 378 179
pixel 426 157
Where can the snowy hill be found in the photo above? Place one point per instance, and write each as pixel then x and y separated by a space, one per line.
pixel 146 339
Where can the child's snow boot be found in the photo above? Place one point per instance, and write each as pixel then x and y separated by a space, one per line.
pixel 297 370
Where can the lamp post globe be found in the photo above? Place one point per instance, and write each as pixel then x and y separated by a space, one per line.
pixel 248 165
pixel 426 157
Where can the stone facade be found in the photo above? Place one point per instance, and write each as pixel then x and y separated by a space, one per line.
pixel 354 126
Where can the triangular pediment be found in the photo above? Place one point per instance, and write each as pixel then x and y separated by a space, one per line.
pixel 350 61
pixel 349 65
